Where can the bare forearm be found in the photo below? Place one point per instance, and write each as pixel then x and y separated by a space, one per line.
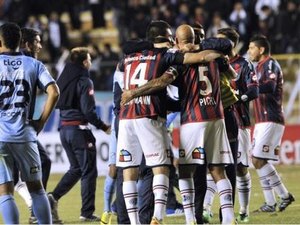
pixel 153 86
pixel 201 57
pixel 52 97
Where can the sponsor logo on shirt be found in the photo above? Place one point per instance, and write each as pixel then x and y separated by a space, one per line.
pixel 15 64
pixel 125 156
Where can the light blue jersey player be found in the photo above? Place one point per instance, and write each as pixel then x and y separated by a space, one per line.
pixel 20 76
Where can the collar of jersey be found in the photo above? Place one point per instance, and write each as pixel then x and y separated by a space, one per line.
pixel 11 53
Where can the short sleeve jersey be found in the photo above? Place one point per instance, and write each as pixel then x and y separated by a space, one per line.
pixel 19 77
pixel 200 93
pixel 138 69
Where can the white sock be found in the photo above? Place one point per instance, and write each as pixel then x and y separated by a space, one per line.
pixel 187 192
pixel 210 192
pixel 244 189
pixel 21 188
pixel 275 182
pixel 225 193
pixel 130 196
pixel 160 188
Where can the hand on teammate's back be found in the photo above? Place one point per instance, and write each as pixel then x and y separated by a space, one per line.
pixel 127 96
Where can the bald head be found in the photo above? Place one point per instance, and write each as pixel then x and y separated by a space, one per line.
pixel 185 34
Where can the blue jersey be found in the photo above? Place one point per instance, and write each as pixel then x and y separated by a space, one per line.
pixel 19 78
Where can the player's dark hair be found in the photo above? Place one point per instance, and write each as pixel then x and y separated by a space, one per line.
pixel 157 30
pixel 197 27
pixel 78 55
pixel 231 34
pixel 262 41
pixel 28 35
pixel 11 35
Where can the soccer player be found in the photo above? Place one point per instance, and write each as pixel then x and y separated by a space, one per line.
pixel 31 46
pixel 192 151
pixel 145 116
pixel 246 88
pixel 269 124
pixel 20 76
pixel 77 109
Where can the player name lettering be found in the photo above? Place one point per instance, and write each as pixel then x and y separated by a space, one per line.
pixel 141 57
pixel 207 101
pixel 9 114
pixel 145 100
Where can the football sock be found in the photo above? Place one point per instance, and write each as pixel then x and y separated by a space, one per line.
pixel 130 197
pixel 225 193
pixel 266 187
pixel 244 189
pixel 187 192
pixel 160 188
pixel 109 189
pixel 210 192
pixel 275 180
pixel 9 210
pixel 41 207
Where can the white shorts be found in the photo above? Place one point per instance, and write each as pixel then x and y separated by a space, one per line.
pixel 142 136
pixel 207 139
pixel 25 156
pixel 244 146
pixel 266 140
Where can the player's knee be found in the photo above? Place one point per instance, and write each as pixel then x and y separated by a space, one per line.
pixel 258 163
pixel 34 186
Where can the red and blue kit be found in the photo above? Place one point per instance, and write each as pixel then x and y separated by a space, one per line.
pixel 138 69
pixel 268 106
pixel 246 83
pixel 200 93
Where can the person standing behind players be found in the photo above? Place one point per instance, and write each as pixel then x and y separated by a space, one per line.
pixel 20 76
pixel 246 89
pixel 77 109
pixel 31 46
pixel 269 124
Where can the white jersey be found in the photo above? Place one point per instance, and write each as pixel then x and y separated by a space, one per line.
pixel 19 77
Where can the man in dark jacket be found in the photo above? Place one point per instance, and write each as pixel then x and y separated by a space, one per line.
pixel 77 109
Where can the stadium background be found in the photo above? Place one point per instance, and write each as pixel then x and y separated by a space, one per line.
pixel 104 25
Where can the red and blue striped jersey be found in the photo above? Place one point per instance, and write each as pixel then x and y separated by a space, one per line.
pixel 245 84
pixel 138 69
pixel 268 106
pixel 200 93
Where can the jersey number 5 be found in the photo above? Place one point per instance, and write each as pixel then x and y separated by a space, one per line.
pixel 205 84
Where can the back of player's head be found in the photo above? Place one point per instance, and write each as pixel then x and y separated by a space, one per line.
pixel 10 34
pixel 157 31
pixel 231 34
pixel 28 35
pixel 261 41
pixel 78 55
